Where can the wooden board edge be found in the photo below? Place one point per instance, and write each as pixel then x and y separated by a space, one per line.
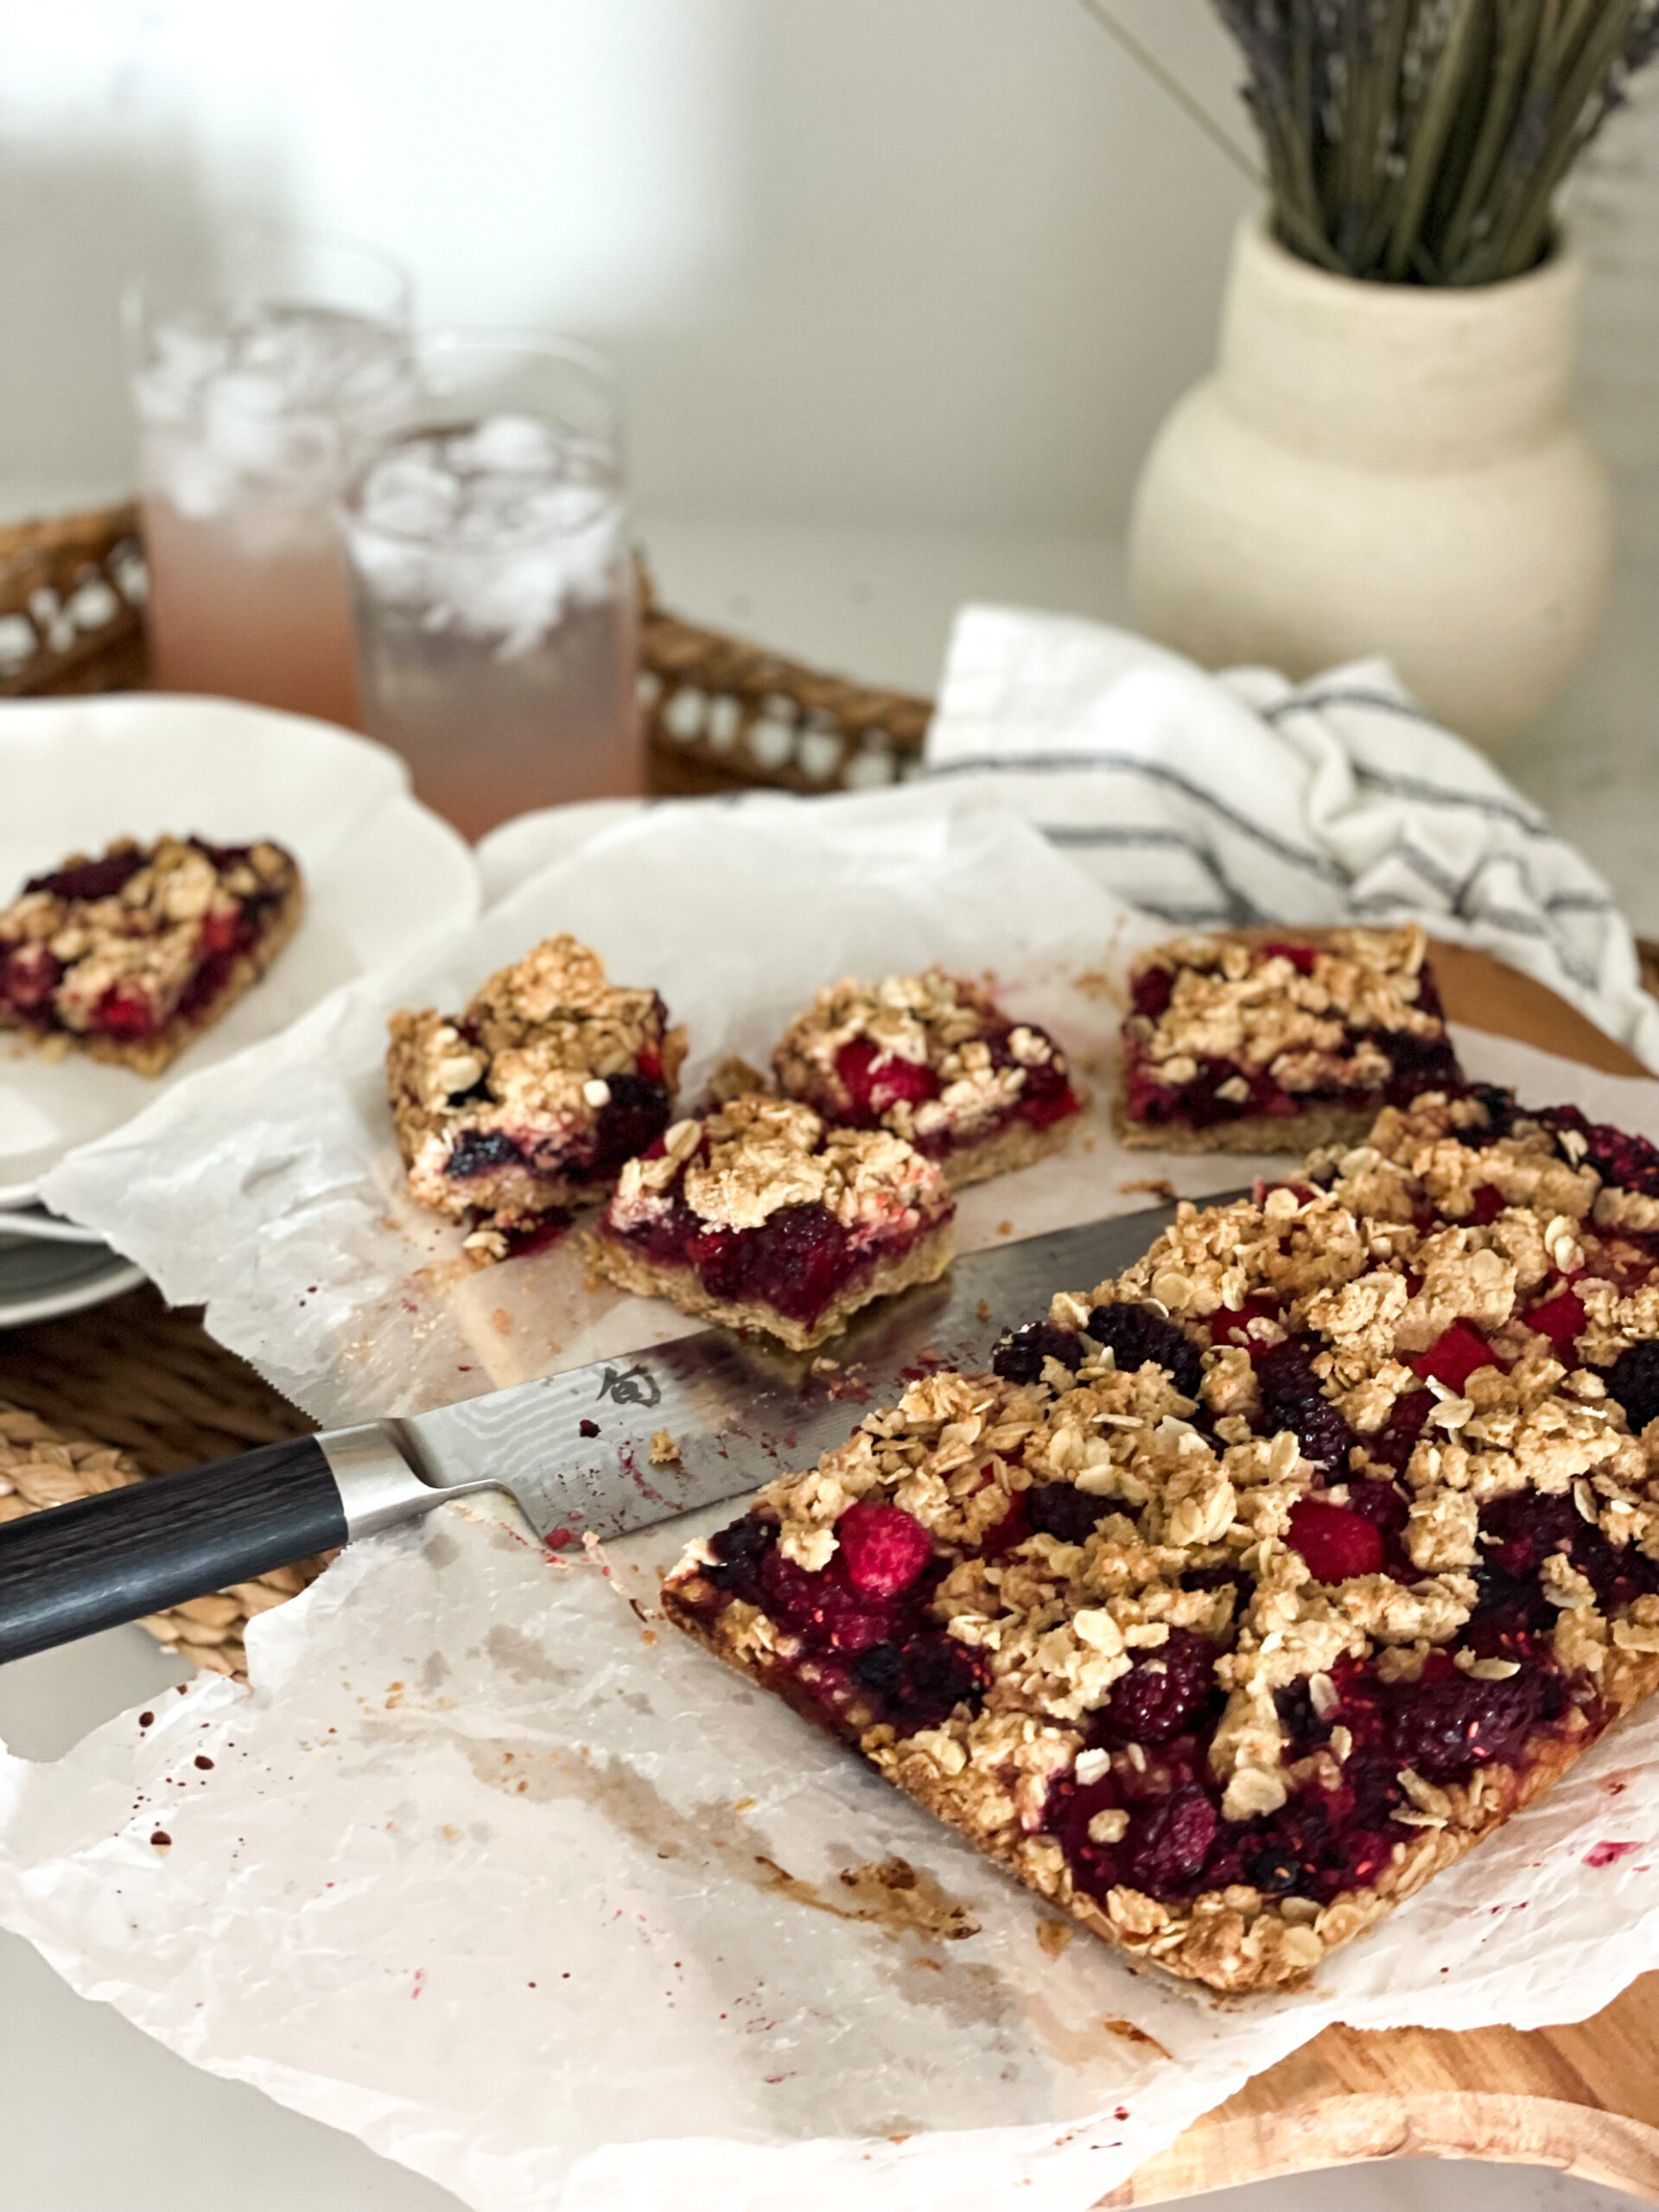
pixel 1500 2126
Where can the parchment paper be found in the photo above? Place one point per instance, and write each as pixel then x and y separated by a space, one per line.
pixel 494 1870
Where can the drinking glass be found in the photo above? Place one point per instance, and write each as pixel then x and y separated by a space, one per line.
pixel 252 407
pixel 493 584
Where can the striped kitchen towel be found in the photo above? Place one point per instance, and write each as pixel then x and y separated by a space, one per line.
pixel 1212 801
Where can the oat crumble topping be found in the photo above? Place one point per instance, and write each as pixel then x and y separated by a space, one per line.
pixel 1227 1647
pixel 737 1167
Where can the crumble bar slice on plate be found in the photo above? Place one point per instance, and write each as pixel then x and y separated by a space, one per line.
pixel 1255 1587
pixel 1259 1041
pixel 763 1216
pixel 510 1114
pixel 935 1059
pixel 129 957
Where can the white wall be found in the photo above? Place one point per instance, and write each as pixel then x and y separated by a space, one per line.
pixel 935 262
pixel 928 263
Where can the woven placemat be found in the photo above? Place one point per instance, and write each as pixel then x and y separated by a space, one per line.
pixel 130 1392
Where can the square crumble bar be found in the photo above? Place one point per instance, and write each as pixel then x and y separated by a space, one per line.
pixel 763 1216
pixel 935 1059
pixel 1261 1041
pixel 531 1100
pixel 1253 1589
pixel 129 956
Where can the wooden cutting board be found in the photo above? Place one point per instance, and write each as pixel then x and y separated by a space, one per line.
pixel 1584 2098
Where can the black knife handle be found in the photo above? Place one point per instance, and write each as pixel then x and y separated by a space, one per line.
pixel 72 1570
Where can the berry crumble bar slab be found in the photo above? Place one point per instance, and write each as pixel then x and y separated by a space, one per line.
pixel 933 1059
pixel 764 1215
pixel 1256 1041
pixel 1254 1587
pixel 510 1114
pixel 129 956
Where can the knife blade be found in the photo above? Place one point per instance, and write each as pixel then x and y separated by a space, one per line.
pixel 600 1450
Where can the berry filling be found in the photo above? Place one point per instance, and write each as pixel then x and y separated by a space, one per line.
pixel 798 1262
pixel 862 1651
pixel 639 1109
pixel 872 1083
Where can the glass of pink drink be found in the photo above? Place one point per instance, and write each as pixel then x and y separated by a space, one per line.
pixel 252 409
pixel 493 582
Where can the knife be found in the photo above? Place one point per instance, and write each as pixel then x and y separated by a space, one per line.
pixel 576 1449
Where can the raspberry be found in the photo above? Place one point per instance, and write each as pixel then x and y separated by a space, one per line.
pixel 884 1548
pixel 1453 1357
pixel 1020 1357
pixel 1152 992
pixel 1292 1398
pixel 872 1089
pixel 126 1013
pixel 1165 1695
pixel 1135 1335
pixel 1562 1319
pixel 1485 1206
pixel 1335 1544
pixel 1633 1379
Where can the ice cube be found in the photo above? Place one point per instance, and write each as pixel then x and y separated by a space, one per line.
pixel 515 444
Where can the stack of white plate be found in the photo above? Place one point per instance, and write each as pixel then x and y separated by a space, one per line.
pixel 381 872
pixel 49 1266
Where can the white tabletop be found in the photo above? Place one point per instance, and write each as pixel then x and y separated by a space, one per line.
pixel 96 2118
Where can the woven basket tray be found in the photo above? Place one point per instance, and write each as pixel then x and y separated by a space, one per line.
pixel 133 1390
pixel 719 715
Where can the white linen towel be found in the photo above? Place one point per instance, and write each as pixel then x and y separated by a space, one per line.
pixel 1212 800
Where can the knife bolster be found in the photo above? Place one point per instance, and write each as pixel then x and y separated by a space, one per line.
pixel 378 1488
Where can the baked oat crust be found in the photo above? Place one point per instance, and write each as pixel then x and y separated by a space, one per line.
pixel 924 1261
pixel 1261 1133
pixel 1453 1296
pixel 147 944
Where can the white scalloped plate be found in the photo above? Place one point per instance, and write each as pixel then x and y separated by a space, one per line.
pixel 381 871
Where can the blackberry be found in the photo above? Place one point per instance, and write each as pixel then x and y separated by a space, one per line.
pixel 1292 1398
pixel 1059 1509
pixel 1633 1379
pixel 1166 1692
pixel 1018 1357
pixel 1135 1334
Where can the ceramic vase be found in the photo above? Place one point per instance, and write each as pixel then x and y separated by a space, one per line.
pixel 1382 468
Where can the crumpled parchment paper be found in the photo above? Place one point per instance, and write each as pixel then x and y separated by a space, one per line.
pixel 492 1869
